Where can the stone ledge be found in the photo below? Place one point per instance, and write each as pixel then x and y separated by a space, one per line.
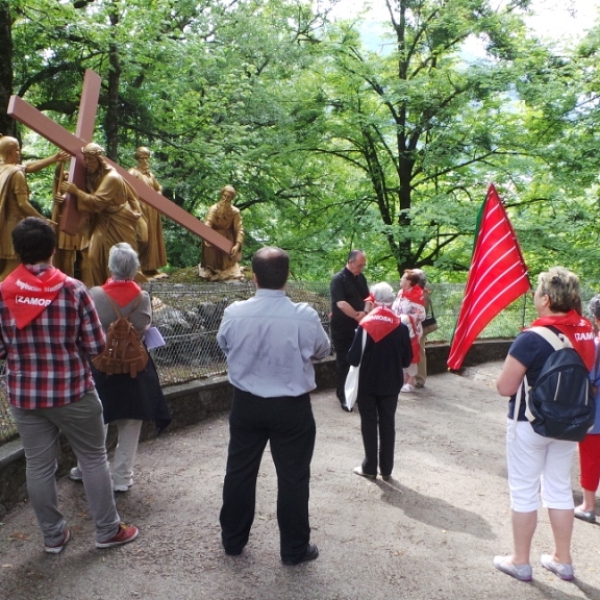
pixel 196 401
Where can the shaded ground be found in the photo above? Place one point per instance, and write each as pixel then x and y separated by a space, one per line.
pixel 431 534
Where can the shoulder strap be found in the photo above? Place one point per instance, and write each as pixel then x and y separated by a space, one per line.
pixel 116 308
pixel 557 342
pixel 431 309
pixel 364 342
pixel 135 304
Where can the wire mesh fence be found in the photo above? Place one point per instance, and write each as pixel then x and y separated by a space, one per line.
pixel 188 317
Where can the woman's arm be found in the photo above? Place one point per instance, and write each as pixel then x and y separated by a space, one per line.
pixel 510 377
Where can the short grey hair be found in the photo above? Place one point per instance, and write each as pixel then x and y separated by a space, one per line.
pixel 422 277
pixel 123 262
pixel 383 294
pixel 594 306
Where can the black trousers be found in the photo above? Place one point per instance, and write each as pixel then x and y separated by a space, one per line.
pixel 288 424
pixel 378 413
pixel 342 340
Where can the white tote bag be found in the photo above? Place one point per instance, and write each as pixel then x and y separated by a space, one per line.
pixel 351 385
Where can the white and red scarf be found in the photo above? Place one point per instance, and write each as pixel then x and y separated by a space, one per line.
pixel 28 295
pixel 579 331
pixel 381 321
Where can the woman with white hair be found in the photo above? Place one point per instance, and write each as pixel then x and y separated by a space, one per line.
pixel 387 351
pixel 127 401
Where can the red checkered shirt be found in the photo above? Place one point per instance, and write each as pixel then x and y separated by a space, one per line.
pixel 47 360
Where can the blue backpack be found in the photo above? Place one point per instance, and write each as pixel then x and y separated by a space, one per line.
pixel 561 404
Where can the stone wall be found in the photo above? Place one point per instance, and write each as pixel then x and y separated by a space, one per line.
pixel 196 401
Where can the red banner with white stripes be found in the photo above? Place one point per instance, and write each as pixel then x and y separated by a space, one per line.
pixel 497 276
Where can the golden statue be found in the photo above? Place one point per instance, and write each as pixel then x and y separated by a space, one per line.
pixel 226 220
pixel 116 215
pixel 67 245
pixel 153 255
pixel 14 196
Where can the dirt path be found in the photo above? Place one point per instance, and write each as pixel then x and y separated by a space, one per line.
pixel 431 534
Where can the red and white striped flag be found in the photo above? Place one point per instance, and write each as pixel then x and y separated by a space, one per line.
pixel 497 276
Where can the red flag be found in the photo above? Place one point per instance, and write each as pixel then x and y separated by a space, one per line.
pixel 497 276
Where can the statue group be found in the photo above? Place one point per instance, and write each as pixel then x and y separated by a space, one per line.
pixel 109 212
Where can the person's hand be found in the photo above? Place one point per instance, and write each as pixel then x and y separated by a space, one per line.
pixel 235 249
pixel 68 188
pixel 360 315
pixel 61 156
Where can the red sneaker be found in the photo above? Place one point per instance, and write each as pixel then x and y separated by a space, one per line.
pixel 126 534
pixel 60 547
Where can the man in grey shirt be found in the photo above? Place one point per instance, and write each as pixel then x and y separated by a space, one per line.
pixel 270 343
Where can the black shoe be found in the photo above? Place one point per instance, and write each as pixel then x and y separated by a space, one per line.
pixel 232 552
pixel 312 552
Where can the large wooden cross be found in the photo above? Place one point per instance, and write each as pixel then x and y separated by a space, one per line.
pixel 73 144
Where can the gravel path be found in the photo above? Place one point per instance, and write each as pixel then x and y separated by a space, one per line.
pixel 429 534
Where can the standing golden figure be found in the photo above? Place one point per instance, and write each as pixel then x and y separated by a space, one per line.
pixel 225 219
pixel 153 255
pixel 14 196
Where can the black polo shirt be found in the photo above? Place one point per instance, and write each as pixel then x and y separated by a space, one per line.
pixel 351 288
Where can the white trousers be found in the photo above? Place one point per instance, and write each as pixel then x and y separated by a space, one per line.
pixel 538 465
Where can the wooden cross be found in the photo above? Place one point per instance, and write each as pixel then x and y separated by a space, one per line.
pixel 73 144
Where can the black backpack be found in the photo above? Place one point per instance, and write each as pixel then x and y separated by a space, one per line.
pixel 124 352
pixel 561 404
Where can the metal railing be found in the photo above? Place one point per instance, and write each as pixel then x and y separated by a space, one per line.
pixel 189 315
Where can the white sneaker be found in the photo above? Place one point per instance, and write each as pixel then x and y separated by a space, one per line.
pixel 75 474
pixel 124 487
pixel 407 388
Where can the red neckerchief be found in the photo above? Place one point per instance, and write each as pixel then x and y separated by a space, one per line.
pixel 579 331
pixel 414 294
pixel 28 295
pixel 122 292
pixel 380 322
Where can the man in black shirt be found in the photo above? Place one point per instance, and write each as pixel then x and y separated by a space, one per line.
pixel 349 304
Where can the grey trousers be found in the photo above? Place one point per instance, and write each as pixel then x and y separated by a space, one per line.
pixel 82 424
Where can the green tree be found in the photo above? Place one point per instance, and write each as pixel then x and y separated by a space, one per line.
pixel 425 127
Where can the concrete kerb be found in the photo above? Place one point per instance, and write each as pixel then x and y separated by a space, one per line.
pixel 199 400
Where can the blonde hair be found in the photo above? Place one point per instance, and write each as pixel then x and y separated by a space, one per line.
pixel 562 288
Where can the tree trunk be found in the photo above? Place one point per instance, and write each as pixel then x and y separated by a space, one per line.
pixel 7 124
pixel 111 125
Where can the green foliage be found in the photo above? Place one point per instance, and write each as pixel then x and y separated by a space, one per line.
pixel 332 144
